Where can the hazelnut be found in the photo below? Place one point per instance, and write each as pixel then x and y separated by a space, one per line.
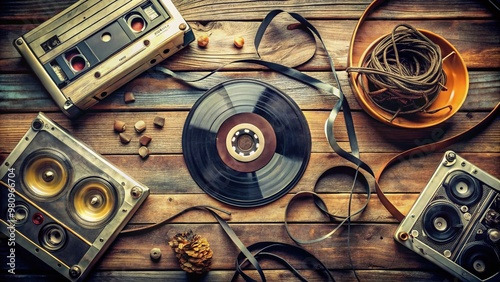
pixel 159 121
pixel 140 126
pixel 125 138
pixel 119 126
pixel 129 97
pixel 144 152
pixel 144 140
pixel 203 41
pixel 239 41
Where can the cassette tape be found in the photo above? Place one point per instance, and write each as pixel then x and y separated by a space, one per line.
pixel 455 222
pixel 63 202
pixel 93 47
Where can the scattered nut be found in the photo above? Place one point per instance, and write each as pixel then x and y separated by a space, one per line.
pixel 144 152
pixel 140 126
pixel 155 253
pixel 128 97
pixel 239 41
pixel 144 140
pixel 125 138
pixel 159 121
pixel 119 126
pixel 203 41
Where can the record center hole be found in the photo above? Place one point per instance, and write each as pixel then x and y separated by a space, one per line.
pixel 106 37
pixel 245 142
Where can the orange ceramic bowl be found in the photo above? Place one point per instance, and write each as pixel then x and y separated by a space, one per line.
pixel 457 85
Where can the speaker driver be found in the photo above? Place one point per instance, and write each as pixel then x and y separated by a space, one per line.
pixel 46 174
pixel 480 259
pixel 246 143
pixel 52 237
pixel 20 214
pixel 92 201
pixel 442 222
pixel 462 188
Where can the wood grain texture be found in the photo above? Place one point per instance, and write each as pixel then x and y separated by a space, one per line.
pixel 471 26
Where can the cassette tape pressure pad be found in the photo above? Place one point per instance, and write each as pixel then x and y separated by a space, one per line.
pixel 93 47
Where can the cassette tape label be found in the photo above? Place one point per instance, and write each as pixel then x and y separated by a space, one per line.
pixel 81 53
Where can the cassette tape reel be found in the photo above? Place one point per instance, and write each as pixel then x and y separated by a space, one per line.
pixel 62 201
pixel 455 222
pixel 93 47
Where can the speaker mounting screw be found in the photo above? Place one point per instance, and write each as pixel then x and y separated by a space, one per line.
pixel 136 192
pixel 451 156
pixel 19 41
pixel 75 271
pixel 447 253
pixel 37 124
pixel 464 208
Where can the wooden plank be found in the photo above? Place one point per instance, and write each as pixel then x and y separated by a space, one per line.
pixel 132 251
pixel 156 92
pixel 226 275
pixel 373 136
pixel 168 174
pixel 476 40
pixel 250 10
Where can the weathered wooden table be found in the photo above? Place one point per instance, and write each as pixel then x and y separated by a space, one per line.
pixel 471 26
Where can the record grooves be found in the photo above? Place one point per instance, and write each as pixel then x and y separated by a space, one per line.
pixel 246 143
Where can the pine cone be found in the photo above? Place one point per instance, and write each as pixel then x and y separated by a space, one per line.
pixel 192 251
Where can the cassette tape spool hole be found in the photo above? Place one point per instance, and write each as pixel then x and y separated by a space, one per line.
pixel 136 22
pixel 246 143
pixel 76 60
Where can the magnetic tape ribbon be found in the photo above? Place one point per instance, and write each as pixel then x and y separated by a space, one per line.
pixel 425 148
pixel 352 157
pixel 341 104
pixel 262 249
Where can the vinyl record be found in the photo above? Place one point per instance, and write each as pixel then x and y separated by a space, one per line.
pixel 246 143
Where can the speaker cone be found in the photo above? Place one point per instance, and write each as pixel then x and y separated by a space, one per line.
pixel 52 237
pixel 46 173
pixel 442 222
pixel 480 259
pixel 462 188
pixel 92 201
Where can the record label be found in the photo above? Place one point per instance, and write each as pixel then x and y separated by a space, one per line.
pixel 246 143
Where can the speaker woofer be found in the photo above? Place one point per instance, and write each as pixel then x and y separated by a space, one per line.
pixel 52 237
pixel 92 201
pixel 46 173
pixel 480 259
pixel 462 188
pixel 442 222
